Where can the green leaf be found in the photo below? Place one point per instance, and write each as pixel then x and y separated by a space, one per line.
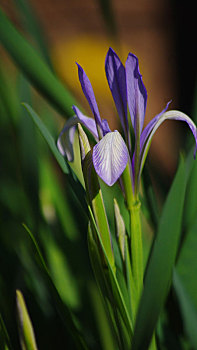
pixel 28 148
pixel 191 202
pixel 130 282
pixel 108 289
pixel 30 23
pixel 94 195
pixel 120 228
pixel 161 261
pixel 186 265
pixel 34 68
pixel 112 280
pixel 62 309
pixel 48 138
pixel 26 333
pixel 8 95
pixel 105 332
pixel 4 337
pixel 75 186
pixel 188 309
pixel 57 197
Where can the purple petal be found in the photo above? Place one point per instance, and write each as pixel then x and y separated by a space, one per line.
pixel 89 94
pixel 105 127
pixel 115 73
pixel 136 93
pixel 155 123
pixel 147 130
pixel 110 157
pixel 66 137
pixel 89 123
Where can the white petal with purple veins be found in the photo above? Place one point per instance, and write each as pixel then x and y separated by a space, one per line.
pixel 110 157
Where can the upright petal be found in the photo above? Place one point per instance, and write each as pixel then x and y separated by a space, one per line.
pixel 89 94
pixel 105 127
pixel 110 157
pixel 136 93
pixel 153 126
pixel 115 73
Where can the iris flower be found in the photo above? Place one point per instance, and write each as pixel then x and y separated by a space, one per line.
pixel 112 153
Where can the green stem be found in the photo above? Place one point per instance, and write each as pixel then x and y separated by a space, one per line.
pixel 136 247
pixel 133 205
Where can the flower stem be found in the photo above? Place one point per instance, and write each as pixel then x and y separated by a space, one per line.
pixel 136 247
pixel 136 250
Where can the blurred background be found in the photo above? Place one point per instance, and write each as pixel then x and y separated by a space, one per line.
pixel 160 33
pixel 33 190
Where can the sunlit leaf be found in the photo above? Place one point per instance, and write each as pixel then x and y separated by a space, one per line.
pixel 26 333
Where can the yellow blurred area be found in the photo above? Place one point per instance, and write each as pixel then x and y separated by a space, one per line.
pixel 90 53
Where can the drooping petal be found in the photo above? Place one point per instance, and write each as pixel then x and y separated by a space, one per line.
pixel 110 157
pixel 89 94
pixel 156 122
pixel 147 130
pixel 115 73
pixel 66 137
pixel 136 93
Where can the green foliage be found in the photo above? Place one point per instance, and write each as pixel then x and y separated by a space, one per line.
pixel 26 333
pixel 34 68
pixel 161 261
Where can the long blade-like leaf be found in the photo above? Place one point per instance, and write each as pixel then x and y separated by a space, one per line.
pixel 32 26
pixel 188 309
pixel 116 291
pixel 161 261
pixel 26 333
pixel 34 68
pixel 62 309
pixel 4 337
pixel 74 183
pixel 48 137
